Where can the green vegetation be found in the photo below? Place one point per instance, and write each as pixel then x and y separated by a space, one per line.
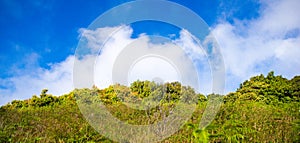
pixel 263 109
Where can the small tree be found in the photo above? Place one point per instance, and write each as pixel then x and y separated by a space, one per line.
pixel 44 93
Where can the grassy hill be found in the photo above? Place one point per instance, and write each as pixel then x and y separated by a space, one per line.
pixel 262 109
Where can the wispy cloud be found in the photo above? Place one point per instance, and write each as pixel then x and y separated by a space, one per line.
pixel 269 42
pixel 30 80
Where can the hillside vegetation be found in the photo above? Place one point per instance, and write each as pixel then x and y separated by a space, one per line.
pixel 262 109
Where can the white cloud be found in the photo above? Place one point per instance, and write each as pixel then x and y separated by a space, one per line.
pixel 58 79
pixel 124 59
pixel 188 44
pixel 96 38
pixel 113 39
pixel 277 18
pixel 260 45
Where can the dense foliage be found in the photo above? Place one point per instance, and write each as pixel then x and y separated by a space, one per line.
pixel 263 109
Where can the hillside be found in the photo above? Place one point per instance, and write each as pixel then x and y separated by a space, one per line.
pixel 262 109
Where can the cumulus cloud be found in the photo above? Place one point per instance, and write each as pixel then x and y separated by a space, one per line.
pixel 269 42
pixel 123 59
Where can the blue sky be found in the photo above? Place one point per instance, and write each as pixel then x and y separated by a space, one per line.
pixel 39 37
pixel 50 28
